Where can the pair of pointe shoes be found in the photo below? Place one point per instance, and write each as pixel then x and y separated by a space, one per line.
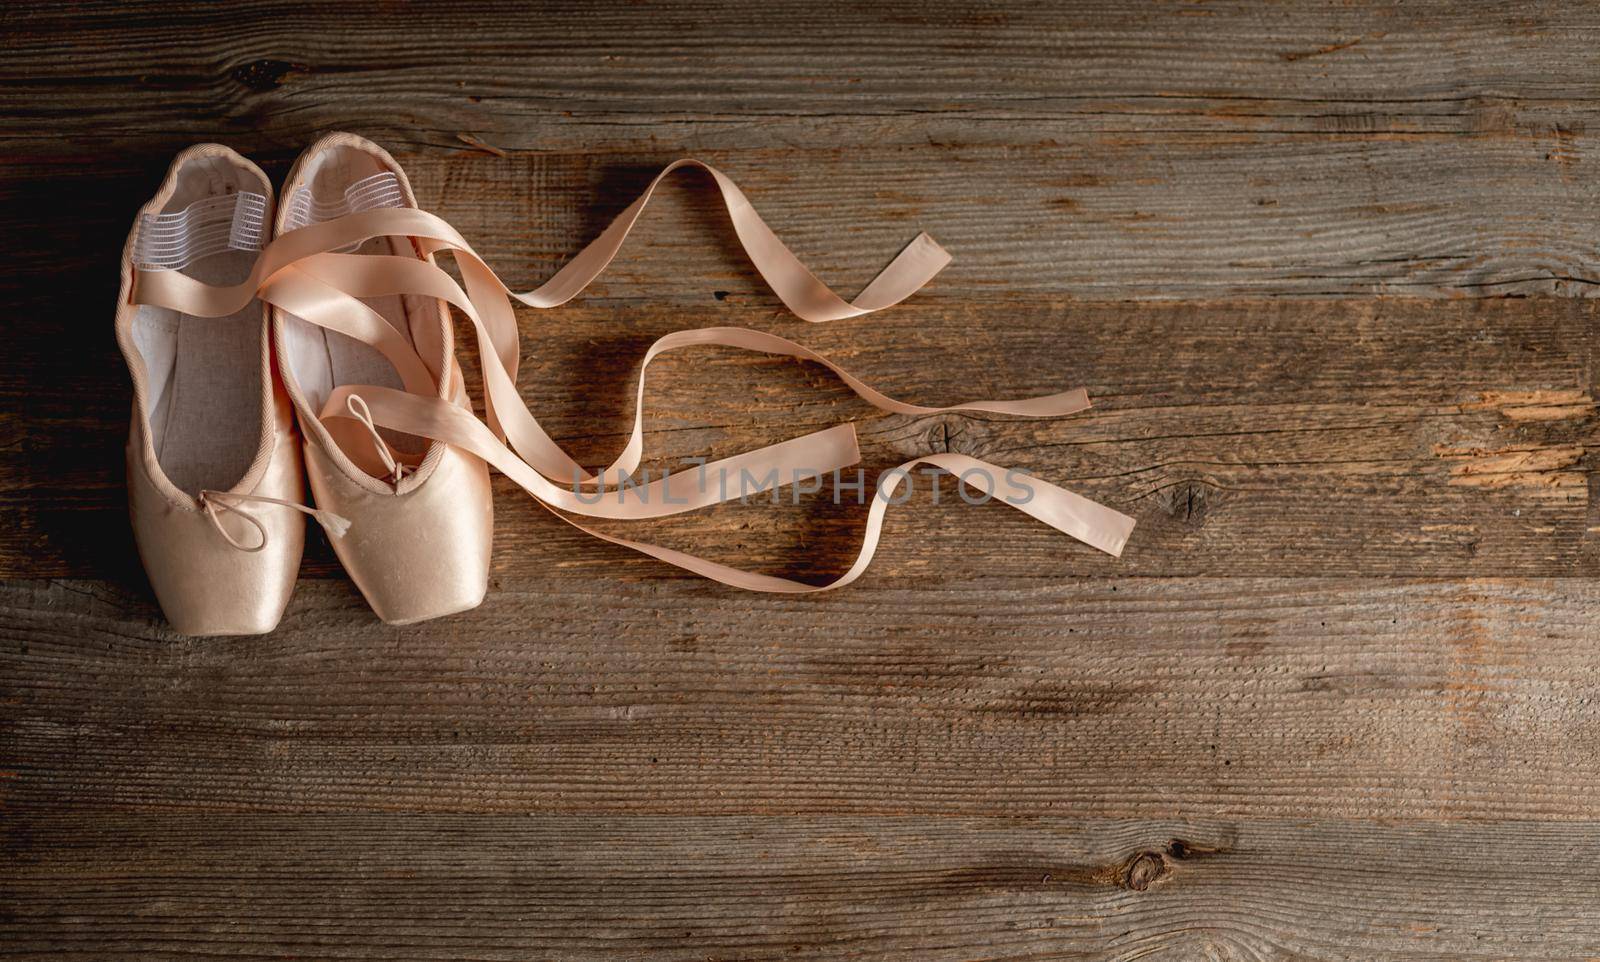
pixel 336 320
pixel 225 434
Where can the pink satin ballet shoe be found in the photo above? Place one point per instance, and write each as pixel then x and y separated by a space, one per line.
pixel 421 518
pixel 214 473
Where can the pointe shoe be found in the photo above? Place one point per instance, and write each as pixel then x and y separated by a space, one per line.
pixel 421 525
pixel 214 471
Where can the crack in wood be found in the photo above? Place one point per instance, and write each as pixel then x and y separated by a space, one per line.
pixel 1538 469
pixel 1542 405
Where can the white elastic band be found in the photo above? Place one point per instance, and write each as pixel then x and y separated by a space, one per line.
pixel 369 193
pixel 173 241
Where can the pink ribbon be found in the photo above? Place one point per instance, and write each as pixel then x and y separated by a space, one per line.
pixel 300 273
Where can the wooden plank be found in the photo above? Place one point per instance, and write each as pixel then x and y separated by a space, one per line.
pixel 1140 217
pixel 1137 697
pixel 1172 151
pixel 723 75
pixel 1378 437
pixel 424 887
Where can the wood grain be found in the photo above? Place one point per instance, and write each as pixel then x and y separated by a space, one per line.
pixel 1143 697
pixel 590 75
pixel 1268 438
pixel 1143 218
pixel 1337 701
pixel 1176 151
pixel 686 888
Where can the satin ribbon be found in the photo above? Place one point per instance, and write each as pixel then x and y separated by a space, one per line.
pixel 301 273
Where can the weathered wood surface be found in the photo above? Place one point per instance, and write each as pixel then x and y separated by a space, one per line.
pixel 585 76
pixel 691 889
pixel 1353 642
pixel 1110 697
pixel 1167 150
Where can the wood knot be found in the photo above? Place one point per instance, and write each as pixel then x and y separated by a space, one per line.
pixel 261 75
pixel 1154 865
pixel 954 434
pixel 1143 870
pixel 1188 501
pixel 943 433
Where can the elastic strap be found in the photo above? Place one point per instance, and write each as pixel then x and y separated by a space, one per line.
pixel 213 225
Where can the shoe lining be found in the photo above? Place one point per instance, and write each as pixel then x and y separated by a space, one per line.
pixel 340 181
pixel 203 375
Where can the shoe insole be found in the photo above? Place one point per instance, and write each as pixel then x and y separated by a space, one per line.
pixel 205 384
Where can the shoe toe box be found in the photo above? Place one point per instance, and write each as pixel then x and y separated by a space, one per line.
pixel 205 585
pixel 418 555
